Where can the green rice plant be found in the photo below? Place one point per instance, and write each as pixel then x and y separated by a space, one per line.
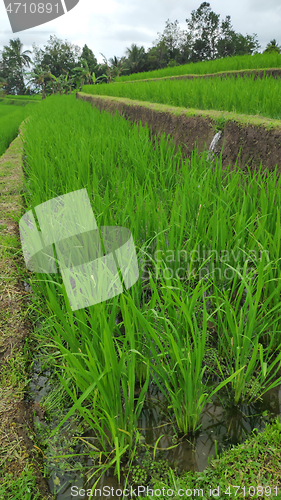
pixel 236 63
pixel 102 372
pixel 94 153
pixel 159 190
pixel 240 329
pixel 203 236
pixel 240 95
pixel 177 349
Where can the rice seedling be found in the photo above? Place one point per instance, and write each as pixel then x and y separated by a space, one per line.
pixel 241 95
pixel 208 244
pixel 104 373
pixel 236 63
pixel 178 344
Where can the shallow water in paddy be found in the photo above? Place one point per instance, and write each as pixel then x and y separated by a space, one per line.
pixel 227 427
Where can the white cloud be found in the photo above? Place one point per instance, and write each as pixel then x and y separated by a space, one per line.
pixel 109 26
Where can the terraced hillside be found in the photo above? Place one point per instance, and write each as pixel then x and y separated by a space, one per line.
pixel 243 105
pixel 237 63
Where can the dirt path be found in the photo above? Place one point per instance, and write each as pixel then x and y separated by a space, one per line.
pixel 18 452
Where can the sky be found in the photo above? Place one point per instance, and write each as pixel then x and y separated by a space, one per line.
pixel 110 26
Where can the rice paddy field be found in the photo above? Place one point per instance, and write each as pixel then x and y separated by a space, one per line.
pixel 203 320
pixel 237 63
pixel 10 119
pixel 240 95
pixel 35 97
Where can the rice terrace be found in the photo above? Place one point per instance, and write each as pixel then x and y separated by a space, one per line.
pixel 171 388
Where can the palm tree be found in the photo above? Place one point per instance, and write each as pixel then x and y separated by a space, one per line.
pixel 272 46
pixel 15 54
pixel 136 58
pixel 39 78
pixel 117 64
pixel 14 60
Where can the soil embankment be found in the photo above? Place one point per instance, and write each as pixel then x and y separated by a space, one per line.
pixel 247 140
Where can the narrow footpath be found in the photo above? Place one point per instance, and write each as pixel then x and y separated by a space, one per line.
pixel 21 467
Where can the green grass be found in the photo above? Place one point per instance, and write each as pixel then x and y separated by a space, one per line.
pixel 10 119
pixel 242 95
pixel 236 63
pixel 208 244
pixel 22 487
pixel 18 102
pixel 36 97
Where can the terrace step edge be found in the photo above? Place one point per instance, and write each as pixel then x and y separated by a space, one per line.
pixel 245 140
pixel 257 73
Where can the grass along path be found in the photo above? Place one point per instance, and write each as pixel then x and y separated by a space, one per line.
pixel 20 461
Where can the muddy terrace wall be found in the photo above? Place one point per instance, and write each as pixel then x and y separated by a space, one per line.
pixel 247 140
